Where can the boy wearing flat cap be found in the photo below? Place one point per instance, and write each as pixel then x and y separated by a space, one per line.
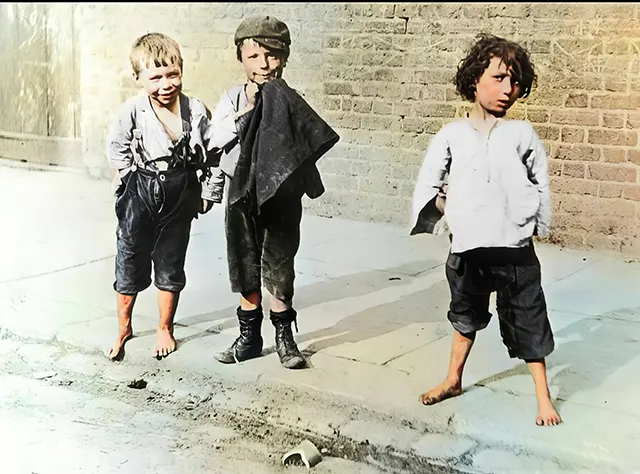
pixel 267 168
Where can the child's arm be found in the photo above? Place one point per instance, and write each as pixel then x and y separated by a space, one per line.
pixel 213 179
pixel 431 179
pixel 538 171
pixel 119 138
pixel 219 135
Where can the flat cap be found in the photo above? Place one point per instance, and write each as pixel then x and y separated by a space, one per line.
pixel 266 30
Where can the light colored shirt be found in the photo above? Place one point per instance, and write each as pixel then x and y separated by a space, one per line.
pixel 137 123
pixel 224 117
pixel 498 184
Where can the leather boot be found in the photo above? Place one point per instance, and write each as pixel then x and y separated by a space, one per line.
pixel 249 344
pixel 286 346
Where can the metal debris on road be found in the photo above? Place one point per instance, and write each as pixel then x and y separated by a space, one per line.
pixel 305 452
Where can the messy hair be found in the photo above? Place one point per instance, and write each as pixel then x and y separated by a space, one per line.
pixel 514 56
pixel 282 55
pixel 156 48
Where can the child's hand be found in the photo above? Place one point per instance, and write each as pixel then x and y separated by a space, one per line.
pixel 205 206
pixel 252 90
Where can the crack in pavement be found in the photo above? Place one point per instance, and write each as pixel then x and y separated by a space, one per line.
pixel 58 270
pixel 413 350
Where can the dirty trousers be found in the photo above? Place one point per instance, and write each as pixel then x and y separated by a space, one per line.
pixel 522 311
pixel 154 213
pixel 264 247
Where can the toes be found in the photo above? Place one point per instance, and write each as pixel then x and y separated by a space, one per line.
pixel 163 352
pixel 424 399
pixel 550 421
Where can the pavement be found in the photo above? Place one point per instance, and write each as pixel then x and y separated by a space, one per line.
pixel 372 305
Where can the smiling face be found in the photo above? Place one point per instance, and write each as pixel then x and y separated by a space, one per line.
pixel 497 90
pixel 260 64
pixel 163 84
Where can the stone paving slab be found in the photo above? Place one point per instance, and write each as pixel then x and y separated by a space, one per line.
pixel 372 316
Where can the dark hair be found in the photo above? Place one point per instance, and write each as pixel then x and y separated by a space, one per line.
pixel 283 55
pixel 488 46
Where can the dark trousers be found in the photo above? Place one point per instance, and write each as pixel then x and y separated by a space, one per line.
pixel 154 213
pixel 522 311
pixel 263 248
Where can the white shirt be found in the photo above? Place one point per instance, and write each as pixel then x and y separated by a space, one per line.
pixel 498 184
pixel 231 101
pixel 137 114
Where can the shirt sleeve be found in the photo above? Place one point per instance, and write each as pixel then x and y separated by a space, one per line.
pixel 219 135
pixel 538 171
pixel 119 138
pixel 433 172
pixel 220 132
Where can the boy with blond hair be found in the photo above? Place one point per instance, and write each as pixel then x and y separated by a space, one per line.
pixel 497 198
pixel 163 148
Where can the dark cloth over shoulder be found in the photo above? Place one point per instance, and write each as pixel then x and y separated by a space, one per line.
pixel 282 141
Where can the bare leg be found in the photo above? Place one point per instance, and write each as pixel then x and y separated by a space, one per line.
pixel 167 304
pixel 452 385
pixel 279 306
pixel 250 301
pixel 125 332
pixel 547 414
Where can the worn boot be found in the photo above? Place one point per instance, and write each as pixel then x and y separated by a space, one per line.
pixel 290 355
pixel 249 344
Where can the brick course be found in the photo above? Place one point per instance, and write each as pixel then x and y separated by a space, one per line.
pixel 381 75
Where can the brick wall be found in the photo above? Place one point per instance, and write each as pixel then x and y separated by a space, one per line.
pixel 381 75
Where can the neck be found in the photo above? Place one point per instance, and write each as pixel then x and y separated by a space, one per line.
pixel 478 112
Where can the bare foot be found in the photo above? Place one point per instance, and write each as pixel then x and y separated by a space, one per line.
pixel 446 389
pixel 116 352
pixel 165 344
pixel 547 414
